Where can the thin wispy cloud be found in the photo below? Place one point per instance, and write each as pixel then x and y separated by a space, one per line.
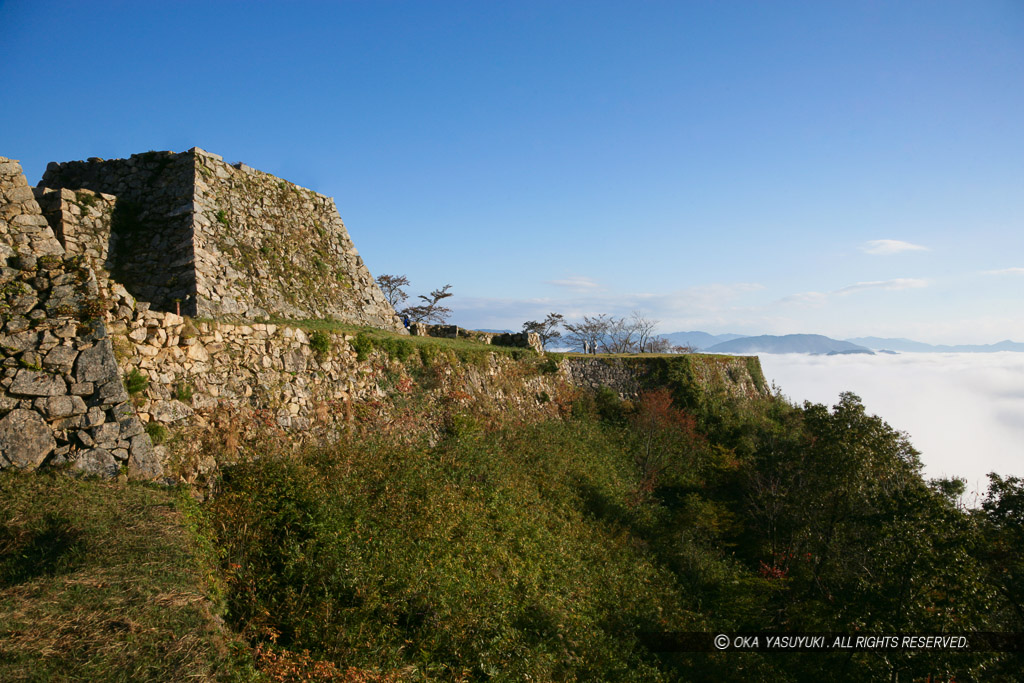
pixel 578 283
pixel 711 305
pixel 894 284
pixel 814 299
pixel 889 247
pixel 1005 271
pixel 806 299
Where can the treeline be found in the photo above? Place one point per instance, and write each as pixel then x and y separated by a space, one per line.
pixel 570 550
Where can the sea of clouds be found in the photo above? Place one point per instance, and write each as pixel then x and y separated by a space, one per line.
pixel 963 411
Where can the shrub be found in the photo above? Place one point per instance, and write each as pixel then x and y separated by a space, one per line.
pixel 183 392
pixel 157 432
pixel 222 217
pixel 549 366
pixel 320 342
pixel 398 349
pixel 135 382
pixel 362 345
pixel 85 200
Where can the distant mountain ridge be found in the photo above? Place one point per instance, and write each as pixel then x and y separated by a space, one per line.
pixel 820 344
pixel 911 346
pixel 699 340
pixel 789 343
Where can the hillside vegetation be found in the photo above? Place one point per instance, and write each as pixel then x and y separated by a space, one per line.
pixel 575 548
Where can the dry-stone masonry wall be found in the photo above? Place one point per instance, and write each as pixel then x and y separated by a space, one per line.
pixel 191 234
pixel 148 229
pixel 526 340
pixel 96 298
pixel 736 375
pixel 62 400
pixel 265 247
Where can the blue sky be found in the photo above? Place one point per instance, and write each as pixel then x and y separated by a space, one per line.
pixel 842 168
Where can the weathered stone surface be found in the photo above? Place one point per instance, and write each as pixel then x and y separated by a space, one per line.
pixel 107 433
pixel 218 240
pixel 96 364
pixel 112 392
pixel 97 462
pixel 25 439
pixel 169 411
pixel 60 358
pixel 33 383
pixel 145 462
pixel 54 407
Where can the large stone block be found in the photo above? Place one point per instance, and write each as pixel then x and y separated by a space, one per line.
pixel 33 383
pixel 96 364
pixel 25 439
pixel 97 462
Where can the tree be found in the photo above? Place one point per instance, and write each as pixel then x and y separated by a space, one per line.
pixel 667 438
pixel 619 337
pixel 430 311
pixel 391 286
pixel 643 328
pixel 545 328
pixel 589 333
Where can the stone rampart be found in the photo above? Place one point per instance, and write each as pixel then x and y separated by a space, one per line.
pixel 232 242
pixel 524 340
pixel 267 247
pixel 148 229
pixel 628 376
pixel 62 399
pixel 190 233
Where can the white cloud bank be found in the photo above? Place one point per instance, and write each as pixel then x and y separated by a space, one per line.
pixel 889 247
pixel 1005 271
pixel 964 412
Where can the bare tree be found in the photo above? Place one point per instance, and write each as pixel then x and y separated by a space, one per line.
pixel 391 286
pixel 588 334
pixel 620 337
pixel 429 311
pixel 617 335
pixel 545 328
pixel 643 328
pixel 659 345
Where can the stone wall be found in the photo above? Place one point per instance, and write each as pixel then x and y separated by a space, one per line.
pixel 738 376
pixel 148 229
pixel 71 330
pixel 62 400
pixel 524 340
pixel 267 247
pixel 190 233
pixel 81 222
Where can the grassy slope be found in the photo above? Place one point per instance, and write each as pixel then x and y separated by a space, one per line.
pixel 102 582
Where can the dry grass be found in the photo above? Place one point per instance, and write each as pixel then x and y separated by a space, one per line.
pixel 100 582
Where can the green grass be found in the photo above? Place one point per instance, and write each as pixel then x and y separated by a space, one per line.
pixel 512 555
pixel 104 582
pixel 395 343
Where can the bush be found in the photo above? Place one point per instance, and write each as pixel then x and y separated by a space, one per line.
pixel 183 392
pixel 398 349
pixel 362 345
pixel 157 432
pixel 135 382
pixel 320 342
